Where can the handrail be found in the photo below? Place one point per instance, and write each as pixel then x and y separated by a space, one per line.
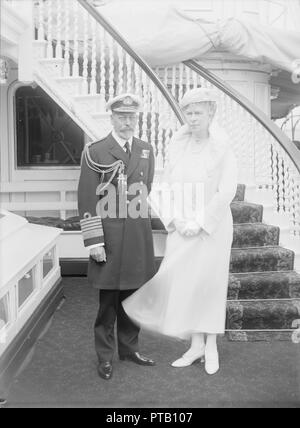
pixel 137 58
pixel 260 116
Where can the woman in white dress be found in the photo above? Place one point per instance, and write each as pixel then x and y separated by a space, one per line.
pixel 187 297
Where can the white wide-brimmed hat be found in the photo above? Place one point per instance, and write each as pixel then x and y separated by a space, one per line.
pixel 199 95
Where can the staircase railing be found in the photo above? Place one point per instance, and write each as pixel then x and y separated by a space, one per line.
pixel 94 51
pixel 95 55
pixel 268 160
pixel 137 58
pixel 277 159
pixel 259 116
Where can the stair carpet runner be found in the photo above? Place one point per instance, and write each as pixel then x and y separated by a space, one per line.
pixel 264 290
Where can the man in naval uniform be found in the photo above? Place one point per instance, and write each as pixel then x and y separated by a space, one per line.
pixel 120 242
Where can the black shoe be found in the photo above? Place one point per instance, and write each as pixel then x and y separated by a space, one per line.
pixel 105 370
pixel 137 358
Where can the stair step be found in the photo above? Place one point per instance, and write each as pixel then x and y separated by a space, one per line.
pixel 242 213
pixel 54 66
pixel 244 236
pixel 263 335
pixel 245 212
pixel 72 86
pixel 255 235
pixel 261 259
pixel 262 314
pixel 264 285
pixel 93 104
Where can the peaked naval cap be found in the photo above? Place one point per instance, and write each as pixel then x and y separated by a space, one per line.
pixel 124 103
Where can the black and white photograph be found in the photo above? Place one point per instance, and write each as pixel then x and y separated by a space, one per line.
pixel 149 206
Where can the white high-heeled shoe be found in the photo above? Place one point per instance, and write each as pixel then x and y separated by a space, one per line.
pixel 186 360
pixel 212 365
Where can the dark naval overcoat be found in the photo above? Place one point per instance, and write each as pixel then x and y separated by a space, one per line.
pixel 127 238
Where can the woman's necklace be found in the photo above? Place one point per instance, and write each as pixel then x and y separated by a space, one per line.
pixel 198 144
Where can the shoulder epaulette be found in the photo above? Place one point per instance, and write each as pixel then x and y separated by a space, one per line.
pixel 88 145
pixel 102 169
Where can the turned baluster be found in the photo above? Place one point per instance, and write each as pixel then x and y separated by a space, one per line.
pixel 277 178
pixel 129 73
pixel 137 79
pixel 295 201
pixel 188 78
pixel 50 30
pixel 260 158
pixel 274 170
pixel 111 88
pixel 86 25
pixel 281 182
pixel 267 162
pixel 93 87
pixel 102 37
pixel 166 77
pixel 66 69
pixel 58 30
pixel 145 83
pixel 120 69
pixel 76 41
pixel 180 81
pixel 174 70
pixel 164 129
pixel 153 115
pixel 41 31
pixel 288 188
pixel 270 161
pixel 160 134
pixel 246 137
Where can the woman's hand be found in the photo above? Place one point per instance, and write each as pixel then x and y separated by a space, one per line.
pixel 187 228
pixel 192 228
pixel 180 226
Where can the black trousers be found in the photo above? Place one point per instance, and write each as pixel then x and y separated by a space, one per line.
pixel 110 312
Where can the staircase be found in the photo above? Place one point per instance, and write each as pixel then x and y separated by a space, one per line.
pixel 80 61
pixel 81 64
pixel 263 290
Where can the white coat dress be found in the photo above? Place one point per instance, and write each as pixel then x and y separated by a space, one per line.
pixel 188 293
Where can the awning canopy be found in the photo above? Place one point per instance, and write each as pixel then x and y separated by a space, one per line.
pixel 166 35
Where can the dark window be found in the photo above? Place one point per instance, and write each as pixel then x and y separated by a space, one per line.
pixel 46 135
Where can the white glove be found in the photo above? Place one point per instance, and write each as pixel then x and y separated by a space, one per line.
pixel 192 228
pixel 98 254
